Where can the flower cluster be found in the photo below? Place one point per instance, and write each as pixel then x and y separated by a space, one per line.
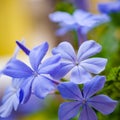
pixel 43 77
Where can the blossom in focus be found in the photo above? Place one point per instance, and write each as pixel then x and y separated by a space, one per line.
pixel 110 7
pixel 80 65
pixel 79 20
pixel 83 101
pixel 37 78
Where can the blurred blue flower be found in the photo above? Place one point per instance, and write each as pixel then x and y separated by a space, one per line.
pixel 81 21
pixel 80 65
pixel 110 7
pixel 81 4
pixel 85 100
pixel 36 79
pixel 12 98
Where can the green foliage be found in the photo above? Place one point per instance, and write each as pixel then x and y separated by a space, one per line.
pixel 112 86
pixel 64 6
pixel 115 18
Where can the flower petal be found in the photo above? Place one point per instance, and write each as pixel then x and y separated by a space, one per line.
pixel 88 49
pixel 26 50
pixel 94 65
pixel 50 66
pixel 42 86
pixel 63 30
pixel 70 91
pixel 68 110
pixel 87 114
pixel 37 54
pixel 82 17
pixel 79 75
pixel 26 88
pixel 66 51
pixel 61 17
pixel 10 102
pixel 17 69
pixel 103 104
pixel 96 84
pixel 65 67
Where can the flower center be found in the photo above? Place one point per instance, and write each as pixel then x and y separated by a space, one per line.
pixel 84 101
pixel 35 74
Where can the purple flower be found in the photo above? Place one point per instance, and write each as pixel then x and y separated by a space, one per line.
pixel 78 20
pixel 84 100
pixel 80 65
pixel 110 7
pixel 12 98
pixel 81 4
pixel 37 78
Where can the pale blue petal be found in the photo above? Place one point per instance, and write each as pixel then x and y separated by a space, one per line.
pixel 103 104
pixel 68 110
pixel 63 70
pixel 61 17
pixel 66 51
pixel 16 102
pixel 87 113
pixel 50 66
pixel 42 86
pixel 96 84
pixel 17 69
pixel 26 88
pixel 70 91
pixel 83 18
pixel 88 49
pixel 16 83
pixel 63 30
pixel 79 75
pixel 94 65
pixel 37 54
pixel 6 108
pixel 11 103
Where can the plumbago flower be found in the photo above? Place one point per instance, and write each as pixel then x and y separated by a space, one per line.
pixel 12 98
pixel 110 7
pixel 80 65
pixel 81 4
pixel 84 100
pixel 36 78
pixel 80 20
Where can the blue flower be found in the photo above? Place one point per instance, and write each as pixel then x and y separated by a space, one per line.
pixel 80 65
pixel 37 78
pixel 84 100
pixel 12 98
pixel 81 4
pixel 82 20
pixel 110 7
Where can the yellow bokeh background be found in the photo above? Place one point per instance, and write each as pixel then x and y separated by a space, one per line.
pixel 13 24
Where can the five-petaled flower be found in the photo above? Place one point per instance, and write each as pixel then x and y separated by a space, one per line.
pixel 85 100
pixel 80 65
pixel 37 78
pixel 80 21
